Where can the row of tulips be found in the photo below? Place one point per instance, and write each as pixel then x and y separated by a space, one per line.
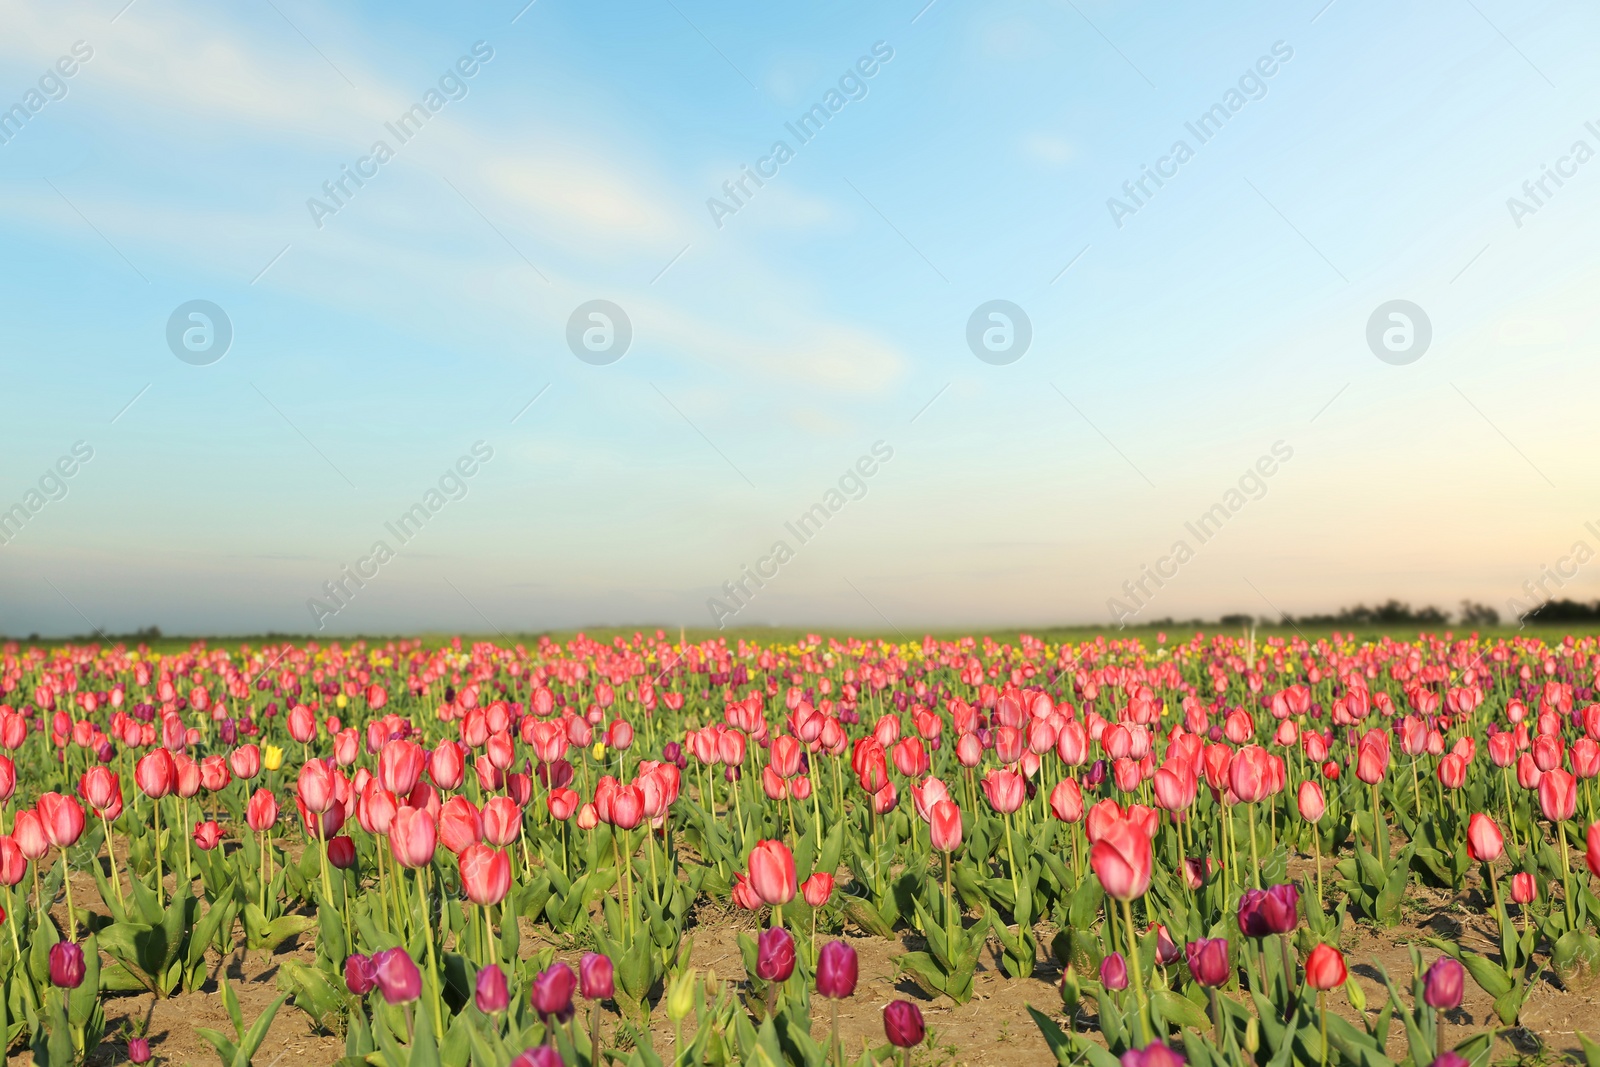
pixel 1184 832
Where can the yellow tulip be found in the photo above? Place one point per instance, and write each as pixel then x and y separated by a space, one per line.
pixel 341 700
pixel 599 750
pixel 272 757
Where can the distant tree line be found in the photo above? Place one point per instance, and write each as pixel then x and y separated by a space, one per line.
pixel 1398 613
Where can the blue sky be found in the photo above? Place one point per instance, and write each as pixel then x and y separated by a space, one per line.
pixel 829 312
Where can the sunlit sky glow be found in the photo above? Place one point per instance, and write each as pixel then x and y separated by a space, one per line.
pixel 377 339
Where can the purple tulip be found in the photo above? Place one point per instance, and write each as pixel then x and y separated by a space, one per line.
pixel 552 991
pixel 66 965
pixel 138 1050
pixel 1208 960
pixel 902 1024
pixel 492 996
pixel 1441 985
pixel 774 955
pixel 1269 911
pixel 359 974
pixel 1155 1054
pixel 837 969
pixel 595 977
pixel 398 978
pixel 1114 972
pixel 539 1056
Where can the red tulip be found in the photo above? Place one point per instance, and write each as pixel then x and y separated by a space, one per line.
pixel 214 774
pixel 155 774
pixel 262 811
pixel 342 852
pixel 502 821
pixel 772 872
pixel 627 807
pixel 562 802
pixel 1524 890
pixel 925 796
pixel 1311 801
pixel 817 889
pixel 207 835
pixel 785 756
pixel 1452 771
pixel 1484 842
pixel 100 788
pixel 1372 761
pixel 316 787
pixel 1005 789
pixel 1585 755
pixel 1122 860
pixel 910 758
pixel 13 864
pixel 62 819
pixel 412 837
pixel 447 765
pixel 1175 787
pixel 245 761
pixel 1066 800
pixel 460 824
pixel 186 780
pixel 1591 853
pixel 945 826
pixel 302 724
pixel 485 874
pixel 1558 795
pixel 29 834
pixel 1325 968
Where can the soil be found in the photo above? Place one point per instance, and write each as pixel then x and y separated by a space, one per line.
pixel 993 1028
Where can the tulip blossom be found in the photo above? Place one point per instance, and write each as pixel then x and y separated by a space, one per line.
pixel 772 874
pixel 1122 859
pixel 775 955
pixel 1325 968
pixel 837 969
pixel 1484 843
pixel 1443 982
pixel 902 1024
pixel 485 874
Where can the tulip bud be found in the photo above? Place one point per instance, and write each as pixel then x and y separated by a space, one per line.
pixel 491 995
pixel 595 977
pixel 1114 972
pixel 902 1024
pixel 1524 889
pixel 1325 968
pixel 66 965
pixel 138 1050
pixel 360 976
pixel 539 1056
pixel 1208 960
pixel 680 996
pixel 837 969
pixel 552 991
pixel 774 955
pixel 1442 984
pixel 398 978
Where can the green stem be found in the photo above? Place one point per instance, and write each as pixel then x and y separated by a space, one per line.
pixel 433 963
pixel 1135 966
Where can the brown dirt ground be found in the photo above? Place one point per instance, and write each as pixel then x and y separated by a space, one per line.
pixel 991 1029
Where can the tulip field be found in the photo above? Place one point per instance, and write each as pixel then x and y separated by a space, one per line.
pixel 644 851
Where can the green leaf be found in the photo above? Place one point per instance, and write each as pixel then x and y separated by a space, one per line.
pixel 221 1042
pixel 252 1038
pixel 1591 1049
pixel 1180 1010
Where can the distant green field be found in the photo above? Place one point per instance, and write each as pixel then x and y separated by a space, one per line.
pixel 786 635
